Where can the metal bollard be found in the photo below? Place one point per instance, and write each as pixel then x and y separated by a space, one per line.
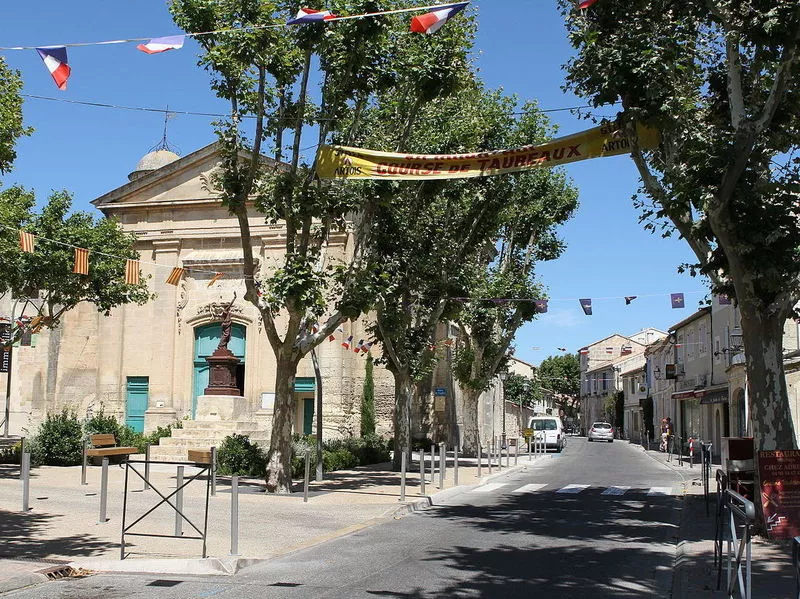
pixel 305 480
pixel 25 474
pixel 455 465
pixel 403 476
pixel 212 472
pixel 103 492
pixel 147 466
pixel 442 464
pixel 84 462
pixel 508 456
pixel 234 515
pixel 422 471
pixel 480 459
pixel 489 456
pixel 179 503
pixel 433 463
pixel 516 451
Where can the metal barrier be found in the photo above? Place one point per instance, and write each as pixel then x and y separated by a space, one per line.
pixel 202 468
pixel 734 513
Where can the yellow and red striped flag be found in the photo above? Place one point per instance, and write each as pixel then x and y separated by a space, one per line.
pixel 217 276
pixel 26 241
pixel 131 272
pixel 81 262
pixel 175 276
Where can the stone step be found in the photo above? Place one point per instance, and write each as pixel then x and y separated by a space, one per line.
pixel 188 433
pixel 227 425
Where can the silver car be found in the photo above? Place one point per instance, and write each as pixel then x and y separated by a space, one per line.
pixel 601 431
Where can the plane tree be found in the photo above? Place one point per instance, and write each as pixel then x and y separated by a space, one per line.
pixel 720 80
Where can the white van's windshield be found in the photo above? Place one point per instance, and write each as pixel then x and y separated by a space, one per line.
pixel 544 425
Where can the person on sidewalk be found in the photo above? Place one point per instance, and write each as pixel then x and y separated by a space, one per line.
pixel 670 432
pixel 664 435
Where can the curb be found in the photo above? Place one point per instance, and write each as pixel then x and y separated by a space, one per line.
pixel 213 566
pixel 20 582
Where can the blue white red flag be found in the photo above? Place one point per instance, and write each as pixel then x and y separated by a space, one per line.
pixel 346 343
pixel 55 59
pixel 308 15
pixel 432 21
pixel 162 44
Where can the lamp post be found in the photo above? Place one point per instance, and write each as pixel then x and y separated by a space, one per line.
pixel 7 414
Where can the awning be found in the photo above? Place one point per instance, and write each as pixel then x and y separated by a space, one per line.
pixel 683 395
pixel 709 396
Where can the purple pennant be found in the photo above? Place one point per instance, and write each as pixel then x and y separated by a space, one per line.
pixel 677 300
pixel 586 304
pixel 541 306
pixel 724 300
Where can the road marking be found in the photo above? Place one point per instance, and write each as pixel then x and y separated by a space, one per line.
pixel 660 491
pixel 487 488
pixel 573 489
pixel 615 491
pixel 532 488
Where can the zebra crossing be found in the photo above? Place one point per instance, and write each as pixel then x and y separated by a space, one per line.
pixel 575 489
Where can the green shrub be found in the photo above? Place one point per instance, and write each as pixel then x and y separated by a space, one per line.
pixel 59 440
pixel 237 455
pixel 424 443
pixel 100 424
pixel 162 431
pixel 11 455
pixel 339 454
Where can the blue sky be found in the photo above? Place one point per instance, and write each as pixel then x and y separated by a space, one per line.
pixel 90 150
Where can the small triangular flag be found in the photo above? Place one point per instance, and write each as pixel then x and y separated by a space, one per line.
pixel 629 299
pixel 217 276
pixel 175 276
pixel 586 304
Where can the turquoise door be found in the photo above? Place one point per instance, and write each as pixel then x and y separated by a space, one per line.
pixel 206 339
pixel 308 416
pixel 137 391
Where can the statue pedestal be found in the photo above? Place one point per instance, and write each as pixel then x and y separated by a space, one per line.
pixel 218 408
pixel 222 373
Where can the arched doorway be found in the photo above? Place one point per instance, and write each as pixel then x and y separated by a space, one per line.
pixel 206 340
pixel 741 424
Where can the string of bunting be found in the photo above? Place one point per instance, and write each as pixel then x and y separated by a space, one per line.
pixel 57 63
pixel 677 300
pixel 27 243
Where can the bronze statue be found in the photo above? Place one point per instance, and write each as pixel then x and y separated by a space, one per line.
pixel 227 323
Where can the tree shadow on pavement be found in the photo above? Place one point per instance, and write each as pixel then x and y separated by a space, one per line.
pixel 30 536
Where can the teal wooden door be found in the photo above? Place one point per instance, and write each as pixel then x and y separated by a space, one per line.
pixel 206 340
pixel 137 391
pixel 308 416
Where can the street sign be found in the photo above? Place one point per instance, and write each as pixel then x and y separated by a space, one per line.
pixel 440 392
pixel 438 403
pixel 779 472
pixel 527 432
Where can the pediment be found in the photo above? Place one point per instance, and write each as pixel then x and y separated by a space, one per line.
pixel 182 182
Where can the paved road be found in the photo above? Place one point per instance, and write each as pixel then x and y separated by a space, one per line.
pixel 598 520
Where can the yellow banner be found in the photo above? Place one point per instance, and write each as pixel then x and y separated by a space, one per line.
pixel 340 162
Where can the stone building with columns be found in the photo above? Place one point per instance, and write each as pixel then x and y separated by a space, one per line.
pixel 146 364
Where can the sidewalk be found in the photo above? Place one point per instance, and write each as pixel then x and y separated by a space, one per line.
pixel 61 531
pixel 695 574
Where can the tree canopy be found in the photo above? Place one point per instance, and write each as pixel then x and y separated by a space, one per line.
pixel 11 125
pixel 720 81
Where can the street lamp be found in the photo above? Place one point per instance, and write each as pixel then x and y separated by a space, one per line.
pixel 657 373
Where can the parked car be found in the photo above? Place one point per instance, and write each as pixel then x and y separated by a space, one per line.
pixel 601 431
pixel 551 430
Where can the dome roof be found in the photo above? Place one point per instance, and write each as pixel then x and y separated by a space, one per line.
pixel 152 161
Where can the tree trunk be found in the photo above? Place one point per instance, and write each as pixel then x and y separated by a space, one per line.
pixel 770 413
pixel 403 390
pixel 279 459
pixel 470 434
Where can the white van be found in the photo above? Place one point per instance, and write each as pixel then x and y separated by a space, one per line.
pixel 550 429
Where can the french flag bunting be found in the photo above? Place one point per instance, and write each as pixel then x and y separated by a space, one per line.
pixel 308 15
pixel 55 59
pixel 432 21
pixel 162 44
pixel 346 343
pixel 359 346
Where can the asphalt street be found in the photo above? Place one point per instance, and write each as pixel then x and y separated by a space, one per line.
pixel 599 520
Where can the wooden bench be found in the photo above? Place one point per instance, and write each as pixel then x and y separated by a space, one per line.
pixel 200 456
pixel 105 445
